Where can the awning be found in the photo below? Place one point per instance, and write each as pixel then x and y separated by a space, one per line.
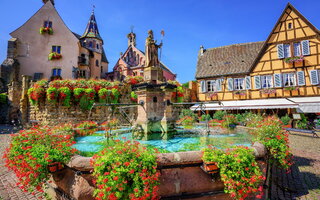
pixel 307 104
pixel 280 103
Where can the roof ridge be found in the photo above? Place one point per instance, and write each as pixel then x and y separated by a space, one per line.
pixel 231 45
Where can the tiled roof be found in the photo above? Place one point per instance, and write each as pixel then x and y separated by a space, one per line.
pixel 227 60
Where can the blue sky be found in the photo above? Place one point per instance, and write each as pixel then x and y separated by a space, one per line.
pixel 187 23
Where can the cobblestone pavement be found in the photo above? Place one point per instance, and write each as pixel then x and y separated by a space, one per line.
pixel 8 188
pixel 306 150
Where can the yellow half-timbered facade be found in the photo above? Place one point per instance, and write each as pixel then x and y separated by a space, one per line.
pixel 285 66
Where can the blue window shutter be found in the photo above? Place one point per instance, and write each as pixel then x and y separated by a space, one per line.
pixel 314 78
pixel 248 82
pixel 50 24
pixel 203 86
pixel 280 51
pixel 230 84
pixel 305 47
pixel 54 72
pixel 59 72
pixel 257 82
pixel 45 24
pixel 277 80
pixel 59 49
pixel 54 48
pixel 301 78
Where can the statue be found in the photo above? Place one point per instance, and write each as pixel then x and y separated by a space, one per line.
pixel 152 51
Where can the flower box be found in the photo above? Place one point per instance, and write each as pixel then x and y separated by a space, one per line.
pixel 55 167
pixel 54 56
pixel 292 88
pixel 268 91
pixel 240 92
pixel 210 167
pixel 44 30
pixel 295 59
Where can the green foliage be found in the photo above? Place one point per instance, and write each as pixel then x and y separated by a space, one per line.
pixel 115 95
pixel 229 121
pixel 133 96
pixel 285 119
pixel 185 85
pixel 86 128
pixel 238 169
pixel 32 150
pixel 303 123
pixel 65 96
pixel 206 117
pixel 186 121
pixel 219 114
pixel 52 95
pixel 271 134
pixel 251 119
pixel 3 98
pixel 125 171
pixel 188 112
pixel 104 95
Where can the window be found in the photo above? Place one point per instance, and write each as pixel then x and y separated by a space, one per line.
pixel 47 24
pixel 297 49
pixel 82 73
pixel 290 26
pixel 90 44
pixel 287 52
pixel 97 46
pixel 266 81
pixel 289 79
pixel 211 86
pixel 238 83
pixel 56 72
pixel 97 63
pixel 56 49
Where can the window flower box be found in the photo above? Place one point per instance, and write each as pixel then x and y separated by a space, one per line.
pixel 295 59
pixel 54 56
pixel 212 94
pixel 291 88
pixel 268 91
pixel 240 92
pixel 44 30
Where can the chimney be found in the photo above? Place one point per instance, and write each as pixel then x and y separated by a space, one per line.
pixel 202 50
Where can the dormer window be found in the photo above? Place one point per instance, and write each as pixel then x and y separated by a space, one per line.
pixel 47 24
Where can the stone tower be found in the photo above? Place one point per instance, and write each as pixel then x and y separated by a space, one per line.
pixel 91 38
pixel 131 39
pixel 45 1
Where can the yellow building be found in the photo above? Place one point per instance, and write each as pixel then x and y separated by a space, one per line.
pixel 280 73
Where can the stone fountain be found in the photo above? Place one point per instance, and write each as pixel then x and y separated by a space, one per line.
pixel 156 118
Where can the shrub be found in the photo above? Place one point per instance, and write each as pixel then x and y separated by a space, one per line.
pixel 205 117
pixel 65 96
pixel 52 94
pixel 285 119
pixel 32 150
pixel 3 98
pixel 115 95
pixel 219 114
pixel 111 124
pixel 229 121
pixel 133 80
pixel 252 120
pixel 35 94
pixel 238 169
pixel 271 134
pixel 188 112
pixel 133 96
pixel 303 123
pixel 125 171
pixel 186 121
pixel 86 128
pixel 104 95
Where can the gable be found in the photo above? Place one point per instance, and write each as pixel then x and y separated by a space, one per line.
pixel 292 25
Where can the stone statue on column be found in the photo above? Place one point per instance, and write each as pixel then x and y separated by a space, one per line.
pixel 153 71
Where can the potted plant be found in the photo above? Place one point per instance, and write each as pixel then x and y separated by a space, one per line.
pixel 291 88
pixel 268 91
pixel 54 56
pixel 44 30
pixel 134 97
pixel 240 92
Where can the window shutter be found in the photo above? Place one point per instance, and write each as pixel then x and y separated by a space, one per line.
pixel 305 47
pixel 230 84
pixel 257 82
pixel 248 82
pixel 218 84
pixel 203 86
pixel 280 51
pixel 277 80
pixel 301 79
pixel 314 80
